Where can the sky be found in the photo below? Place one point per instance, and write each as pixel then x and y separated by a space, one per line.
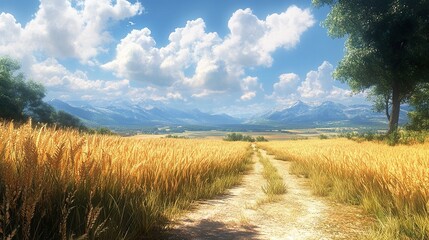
pixel 238 57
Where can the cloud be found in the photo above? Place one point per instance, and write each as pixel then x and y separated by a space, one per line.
pixel 49 72
pixel 286 85
pixel 249 83
pixel 174 95
pixel 205 93
pixel 76 85
pixel 11 34
pixel 252 41
pixel 10 30
pixel 249 86
pixel 248 96
pixel 193 63
pixel 138 58
pixel 201 61
pixel 318 86
pixel 62 30
pixel 318 83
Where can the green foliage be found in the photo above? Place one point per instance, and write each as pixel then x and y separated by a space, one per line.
pixel 419 117
pixel 176 136
pixel 238 137
pixel 393 138
pixel 104 131
pixel 100 131
pixel 399 136
pixel 323 136
pixel 387 46
pixel 244 138
pixel 19 99
pixel 66 120
pixel 261 139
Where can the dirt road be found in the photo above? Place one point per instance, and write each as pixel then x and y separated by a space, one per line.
pixel 243 214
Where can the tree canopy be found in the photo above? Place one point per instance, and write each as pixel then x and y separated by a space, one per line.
pixel 21 99
pixel 18 98
pixel 387 47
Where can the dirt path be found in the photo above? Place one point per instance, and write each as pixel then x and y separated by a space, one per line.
pixel 239 214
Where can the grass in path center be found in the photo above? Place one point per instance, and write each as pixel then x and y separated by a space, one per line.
pixel 275 185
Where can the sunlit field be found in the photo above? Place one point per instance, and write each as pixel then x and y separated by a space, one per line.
pixel 392 183
pixel 58 184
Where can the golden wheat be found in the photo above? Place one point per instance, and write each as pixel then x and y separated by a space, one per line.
pixel 386 180
pixel 60 183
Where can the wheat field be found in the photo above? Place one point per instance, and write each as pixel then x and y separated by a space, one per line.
pixel 392 183
pixel 60 184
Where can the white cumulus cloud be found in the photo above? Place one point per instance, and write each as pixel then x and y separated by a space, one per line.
pixel 62 30
pixel 249 86
pixel 248 96
pixel 286 85
pixel 252 41
pixel 138 58
pixel 201 61
pixel 76 85
pixel 318 86
pixel 193 63
pixel 318 83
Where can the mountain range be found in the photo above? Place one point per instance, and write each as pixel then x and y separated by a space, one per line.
pixel 327 114
pixel 127 115
pixel 299 115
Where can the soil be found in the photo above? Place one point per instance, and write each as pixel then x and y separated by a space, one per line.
pixel 244 213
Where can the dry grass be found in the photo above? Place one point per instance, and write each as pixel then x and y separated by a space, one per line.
pixel 390 182
pixel 275 185
pixel 57 184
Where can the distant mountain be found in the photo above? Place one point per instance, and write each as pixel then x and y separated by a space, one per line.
pixel 327 114
pixel 298 115
pixel 126 115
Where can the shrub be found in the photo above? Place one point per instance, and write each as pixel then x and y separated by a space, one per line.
pixel 238 137
pixel 323 136
pixel 176 136
pixel 261 139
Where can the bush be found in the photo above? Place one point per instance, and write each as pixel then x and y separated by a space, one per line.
pixel 176 136
pixel 323 136
pixel 238 137
pixel 101 131
pixel 400 136
pixel 393 138
pixel 261 139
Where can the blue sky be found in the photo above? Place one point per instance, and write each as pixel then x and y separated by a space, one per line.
pixel 238 57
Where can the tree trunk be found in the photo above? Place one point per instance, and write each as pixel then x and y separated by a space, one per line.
pixel 387 98
pixel 396 104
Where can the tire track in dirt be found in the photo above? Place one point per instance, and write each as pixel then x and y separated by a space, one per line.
pixel 297 215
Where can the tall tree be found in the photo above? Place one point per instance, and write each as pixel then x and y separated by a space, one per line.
pixel 387 47
pixel 18 97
